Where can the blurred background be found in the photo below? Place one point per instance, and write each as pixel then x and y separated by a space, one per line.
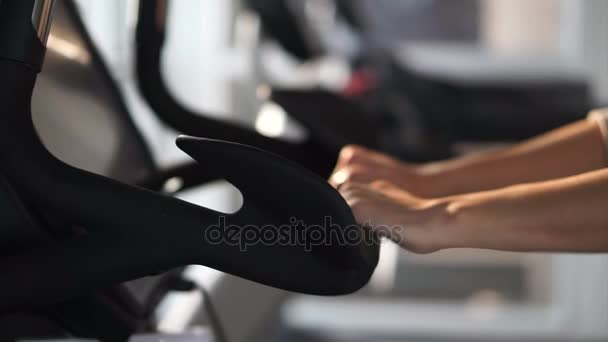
pixel 219 58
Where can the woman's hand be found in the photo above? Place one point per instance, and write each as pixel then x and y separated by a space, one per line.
pixel 357 164
pixel 563 215
pixel 565 152
pixel 416 224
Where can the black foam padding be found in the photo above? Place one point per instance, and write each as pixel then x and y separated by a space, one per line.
pixel 18 40
pixel 132 232
pixel 18 231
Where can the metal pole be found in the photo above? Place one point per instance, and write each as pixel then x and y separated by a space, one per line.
pixel 42 17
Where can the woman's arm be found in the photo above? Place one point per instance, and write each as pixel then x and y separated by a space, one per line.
pixel 573 149
pixel 567 151
pixel 565 215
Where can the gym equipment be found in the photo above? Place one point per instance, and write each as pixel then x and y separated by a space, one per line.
pixel 278 22
pixel 332 121
pixel 76 96
pixel 110 232
pixel 311 154
pixel 449 109
pixel 282 21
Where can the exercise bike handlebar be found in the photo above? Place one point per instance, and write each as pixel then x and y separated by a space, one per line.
pixel 131 232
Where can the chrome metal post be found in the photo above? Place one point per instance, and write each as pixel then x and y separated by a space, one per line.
pixel 42 17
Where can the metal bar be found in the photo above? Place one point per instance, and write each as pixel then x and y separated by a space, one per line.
pixel 42 17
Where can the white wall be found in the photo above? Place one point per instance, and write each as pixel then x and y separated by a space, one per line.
pixel 584 40
pixel 521 26
pixel 594 54
pixel 575 31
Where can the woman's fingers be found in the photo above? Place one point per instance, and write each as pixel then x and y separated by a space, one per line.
pixel 357 155
pixel 374 206
pixel 355 174
pixel 360 165
pixel 396 192
pixel 393 213
pixel 362 201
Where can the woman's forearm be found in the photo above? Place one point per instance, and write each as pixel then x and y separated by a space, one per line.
pixel 571 150
pixel 565 215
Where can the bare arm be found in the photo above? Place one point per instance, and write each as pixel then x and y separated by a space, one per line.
pixel 571 150
pixel 560 215
pixel 564 215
